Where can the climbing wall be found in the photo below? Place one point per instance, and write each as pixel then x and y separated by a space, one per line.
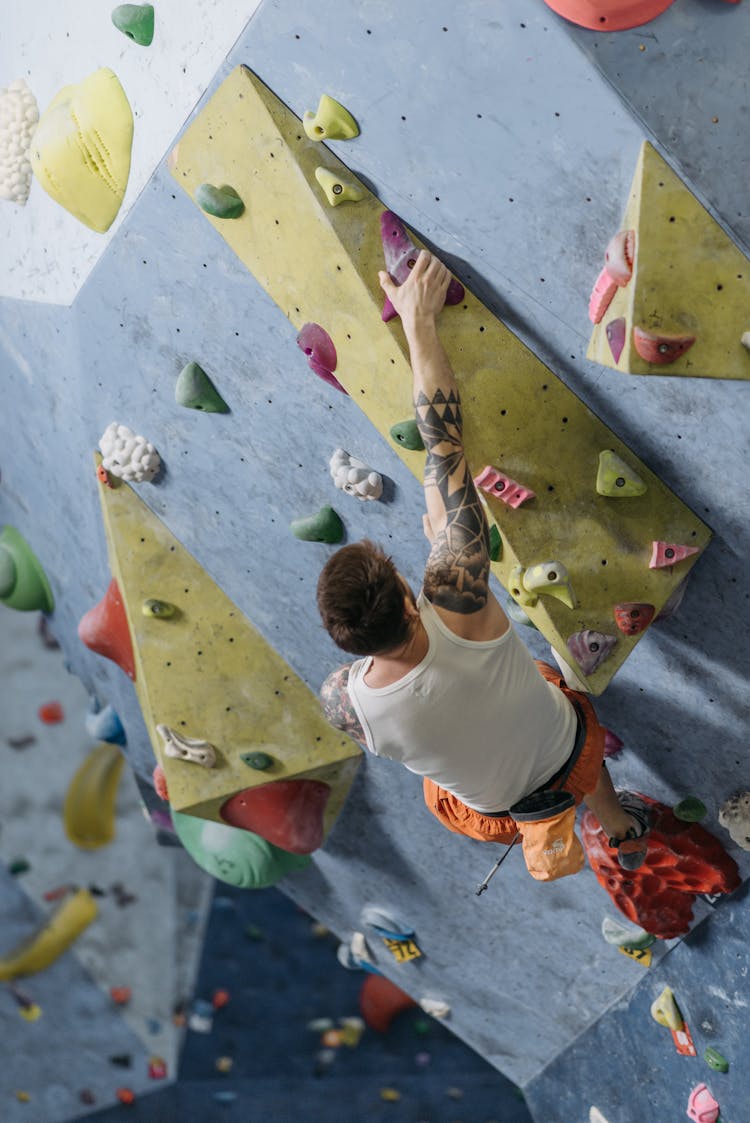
pixel 516 166
pixel 320 261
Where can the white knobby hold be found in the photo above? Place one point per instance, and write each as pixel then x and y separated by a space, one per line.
pixel 354 476
pixel 19 114
pixel 190 749
pixel 734 814
pixel 128 456
pixel 437 1007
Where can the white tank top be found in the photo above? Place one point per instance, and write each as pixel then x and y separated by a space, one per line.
pixel 475 717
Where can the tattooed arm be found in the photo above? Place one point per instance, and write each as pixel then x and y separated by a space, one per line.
pixel 456 578
pixel 337 705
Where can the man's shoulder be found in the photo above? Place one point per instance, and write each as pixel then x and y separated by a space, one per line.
pixel 337 704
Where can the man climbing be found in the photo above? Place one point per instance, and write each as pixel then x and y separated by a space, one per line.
pixel 445 685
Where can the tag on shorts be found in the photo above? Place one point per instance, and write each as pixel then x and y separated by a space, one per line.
pixel 402 950
pixel 640 955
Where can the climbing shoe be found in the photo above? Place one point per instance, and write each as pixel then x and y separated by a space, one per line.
pixel 632 849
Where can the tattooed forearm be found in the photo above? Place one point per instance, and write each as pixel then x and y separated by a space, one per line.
pixel 457 572
pixel 337 705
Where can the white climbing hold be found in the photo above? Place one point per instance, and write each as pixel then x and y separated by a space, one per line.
pixel 734 815
pixel 354 954
pixel 128 456
pixel 437 1007
pixel 595 1116
pixel 354 476
pixel 19 115
pixel 190 749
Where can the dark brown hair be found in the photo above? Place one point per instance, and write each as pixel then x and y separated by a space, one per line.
pixel 361 600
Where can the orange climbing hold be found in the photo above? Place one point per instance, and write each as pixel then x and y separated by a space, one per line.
pixel 683 860
pixel 287 813
pixel 609 15
pixel 380 1001
pixel 104 629
pixel 51 713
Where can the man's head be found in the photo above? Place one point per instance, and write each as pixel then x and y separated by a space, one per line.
pixel 366 606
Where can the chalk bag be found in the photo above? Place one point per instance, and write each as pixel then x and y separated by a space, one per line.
pixel 551 847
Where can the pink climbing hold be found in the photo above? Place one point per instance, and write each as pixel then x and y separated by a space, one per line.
pixel 400 257
pixel 503 487
pixel 321 353
pixel 660 348
pixel 590 648
pixel 612 743
pixel 616 332
pixel 601 296
pixel 702 1107
pixel 618 257
pixel 104 629
pixel 667 553
pixel 287 813
pixel 632 618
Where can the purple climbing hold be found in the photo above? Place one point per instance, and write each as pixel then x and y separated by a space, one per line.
pixel 616 332
pixel 400 256
pixel 589 648
pixel 321 353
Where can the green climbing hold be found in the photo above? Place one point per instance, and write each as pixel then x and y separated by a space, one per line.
pixel 159 609
pixel 406 433
pixel 324 526
pixel 690 810
pixel 195 390
pixel 496 545
pixel 234 856
pixel 259 761
pixel 136 21
pixel 716 1060
pixel 23 582
pixel 221 202
pixel 626 936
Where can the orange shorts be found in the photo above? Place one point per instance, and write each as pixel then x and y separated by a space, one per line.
pixel 584 776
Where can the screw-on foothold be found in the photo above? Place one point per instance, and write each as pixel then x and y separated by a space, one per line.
pixel 195 390
pixel 496 544
pixel 632 618
pixel 406 434
pixel 257 760
pixel 666 1012
pixel 191 749
pixel 324 526
pixel 495 483
pixel 159 609
pixel 331 121
pixel 660 348
pixel 669 553
pixel 550 578
pixel 221 202
pixel 590 648
pixel 337 189
pixel 136 21
pixel 616 479
pixel 715 1060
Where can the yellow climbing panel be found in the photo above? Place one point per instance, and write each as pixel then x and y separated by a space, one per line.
pixel 320 264
pixel 689 279
pixel 208 674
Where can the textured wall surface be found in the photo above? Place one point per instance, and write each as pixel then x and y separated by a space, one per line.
pixel 494 138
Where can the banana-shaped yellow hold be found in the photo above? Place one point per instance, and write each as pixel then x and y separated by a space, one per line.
pixel 70 918
pixel 89 810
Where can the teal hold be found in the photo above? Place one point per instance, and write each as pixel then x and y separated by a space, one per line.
pixel 234 856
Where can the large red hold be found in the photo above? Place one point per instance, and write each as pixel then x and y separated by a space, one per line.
pixel 105 630
pixel 683 860
pixel 380 1001
pixel 287 813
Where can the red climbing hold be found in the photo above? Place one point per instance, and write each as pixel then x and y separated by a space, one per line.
pixel 632 618
pixel 400 256
pixel 683 860
pixel 51 713
pixel 160 783
pixel 287 813
pixel 380 1000
pixel 104 629
pixel 660 348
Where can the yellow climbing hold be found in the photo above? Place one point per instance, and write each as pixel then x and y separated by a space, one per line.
pixel 337 189
pixel 666 1012
pixel 66 923
pixel 615 478
pixel 89 809
pixel 331 121
pixel 80 152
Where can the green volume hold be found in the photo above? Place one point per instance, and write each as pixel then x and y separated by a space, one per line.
pixel 195 390
pixel 324 526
